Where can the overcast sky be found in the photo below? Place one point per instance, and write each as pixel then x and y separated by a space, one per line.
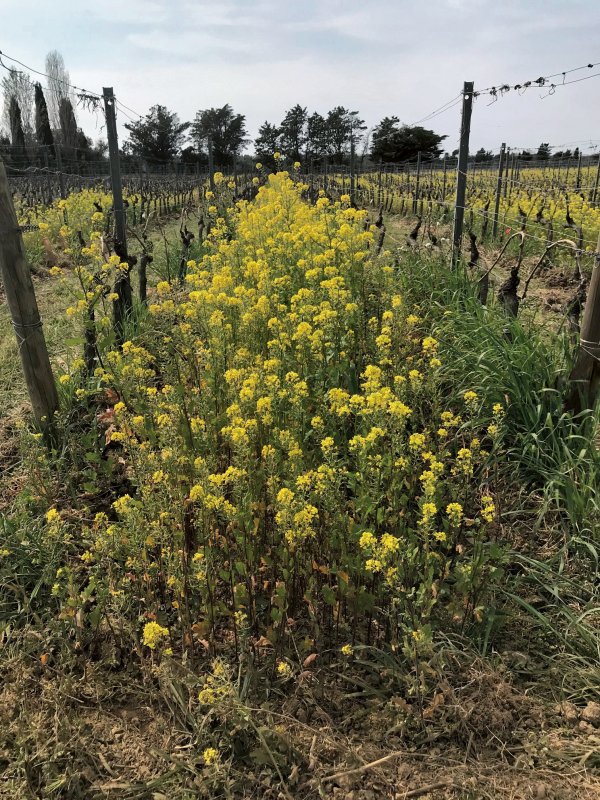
pixel 390 57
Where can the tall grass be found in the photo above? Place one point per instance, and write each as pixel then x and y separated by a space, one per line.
pixel 554 454
pixel 551 599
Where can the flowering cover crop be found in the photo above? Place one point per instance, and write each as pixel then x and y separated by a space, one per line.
pixel 59 223
pixel 291 456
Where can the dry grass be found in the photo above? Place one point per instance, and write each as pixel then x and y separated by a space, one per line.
pixel 90 733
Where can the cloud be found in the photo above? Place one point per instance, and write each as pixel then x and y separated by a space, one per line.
pixel 357 24
pixel 227 14
pixel 188 45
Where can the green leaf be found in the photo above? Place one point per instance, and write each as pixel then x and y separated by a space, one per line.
pixel 328 595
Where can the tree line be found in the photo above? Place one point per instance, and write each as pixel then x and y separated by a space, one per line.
pixel 221 134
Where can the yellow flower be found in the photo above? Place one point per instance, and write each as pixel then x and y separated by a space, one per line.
pixel 493 430
pixel 153 634
pixel 210 756
pixel 367 540
pixel 488 510
pixel 285 496
pixel 327 445
pixel 470 399
pixel 428 511
pixel 122 504
pixel 389 544
pixel 346 650
pixel 454 512
pixel 416 441
pixel 429 345
pixel 284 670
pixel 52 515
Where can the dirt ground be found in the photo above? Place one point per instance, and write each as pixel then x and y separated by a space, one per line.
pixel 92 734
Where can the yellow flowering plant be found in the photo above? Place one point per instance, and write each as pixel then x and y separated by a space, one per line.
pixel 279 425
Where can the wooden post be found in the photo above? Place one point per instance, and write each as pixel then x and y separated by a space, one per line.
pixel 585 375
pixel 22 304
pixel 123 305
pixel 417 180
pixel 461 172
pixel 211 164
pixel 507 163
pixel 352 169
pixel 498 189
pixel 48 179
pixel 511 181
pixel 444 181
pixel 115 166
pixel 578 179
pixel 596 183
pixel 59 168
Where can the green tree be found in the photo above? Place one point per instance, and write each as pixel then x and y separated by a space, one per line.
pixel 341 127
pixel 558 154
pixel 543 152
pixel 383 139
pixel 17 136
pixel 157 137
pixel 316 136
pixel 226 130
pixel 68 123
pixel 43 131
pixel 87 150
pixel 483 155
pixel 266 143
pixel 293 133
pixel 392 142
